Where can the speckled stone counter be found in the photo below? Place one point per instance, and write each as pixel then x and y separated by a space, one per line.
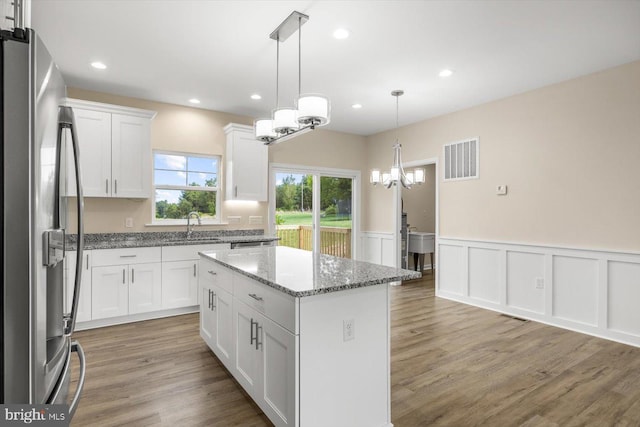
pixel 302 273
pixel 172 238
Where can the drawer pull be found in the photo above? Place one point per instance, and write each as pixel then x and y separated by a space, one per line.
pixel 128 256
pixel 256 297
pixel 213 273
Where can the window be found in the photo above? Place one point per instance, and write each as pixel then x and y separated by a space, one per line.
pixel 185 183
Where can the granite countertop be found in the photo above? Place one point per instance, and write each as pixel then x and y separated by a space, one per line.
pixel 303 273
pixel 177 238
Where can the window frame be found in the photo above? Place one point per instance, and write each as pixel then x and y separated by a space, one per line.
pixel 217 189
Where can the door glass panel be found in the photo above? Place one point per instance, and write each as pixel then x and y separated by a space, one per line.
pixel 294 210
pixel 336 203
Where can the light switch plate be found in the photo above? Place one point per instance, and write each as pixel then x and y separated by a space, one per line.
pixel 128 222
pixel 348 329
pixel 501 190
pixel 255 219
pixel 234 219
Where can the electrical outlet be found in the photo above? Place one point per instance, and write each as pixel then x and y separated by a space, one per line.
pixel 501 190
pixel 234 219
pixel 128 222
pixel 348 329
pixel 255 220
pixel 539 283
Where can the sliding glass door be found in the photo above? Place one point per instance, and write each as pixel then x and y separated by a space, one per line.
pixel 314 209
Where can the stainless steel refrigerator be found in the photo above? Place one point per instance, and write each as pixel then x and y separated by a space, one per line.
pixel 36 333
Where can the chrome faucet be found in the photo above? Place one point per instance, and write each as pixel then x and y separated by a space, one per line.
pixel 189 225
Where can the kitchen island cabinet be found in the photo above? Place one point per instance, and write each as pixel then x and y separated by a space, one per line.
pixel 310 333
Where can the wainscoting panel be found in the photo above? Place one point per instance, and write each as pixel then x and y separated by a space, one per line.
pixel 451 268
pixel 524 271
pixel 624 297
pixel 484 274
pixel 590 291
pixel 575 289
pixel 377 248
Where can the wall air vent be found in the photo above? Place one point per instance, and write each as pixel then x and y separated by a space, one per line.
pixel 461 160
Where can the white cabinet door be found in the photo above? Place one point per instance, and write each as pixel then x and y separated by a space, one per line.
pixel 131 156
pixel 109 291
pixel 84 301
pixel 179 284
pixel 223 344
pixel 247 163
pixel 94 138
pixel 207 316
pixel 145 287
pixel 279 376
pixel 248 361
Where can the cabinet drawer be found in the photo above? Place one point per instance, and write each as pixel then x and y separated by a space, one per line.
pixel 125 256
pixel 189 252
pixel 212 274
pixel 275 305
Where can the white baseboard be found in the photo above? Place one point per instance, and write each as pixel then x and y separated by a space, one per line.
pixel 590 291
pixel 110 321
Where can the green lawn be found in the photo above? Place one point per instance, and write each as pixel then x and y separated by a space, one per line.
pixel 304 218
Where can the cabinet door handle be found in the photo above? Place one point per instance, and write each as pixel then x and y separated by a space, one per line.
pixel 258 333
pixel 115 186
pixel 236 191
pixel 194 270
pixel 213 273
pixel 123 273
pixel 213 301
pixel 253 339
pixel 133 275
pixel 87 267
pixel 106 186
pixel 209 298
pixel 256 297
pixel 128 256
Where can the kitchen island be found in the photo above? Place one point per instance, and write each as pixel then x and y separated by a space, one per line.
pixel 305 334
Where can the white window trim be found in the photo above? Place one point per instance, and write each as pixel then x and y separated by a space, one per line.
pixel 183 221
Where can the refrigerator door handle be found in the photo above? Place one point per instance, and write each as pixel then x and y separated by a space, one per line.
pixel 76 347
pixel 66 120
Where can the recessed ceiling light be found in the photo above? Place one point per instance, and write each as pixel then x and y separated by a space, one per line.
pixel 445 73
pixel 341 34
pixel 356 106
pixel 256 96
pixel 194 101
pixel 98 65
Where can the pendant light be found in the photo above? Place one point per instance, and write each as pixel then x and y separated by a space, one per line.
pixel 312 109
pixel 397 173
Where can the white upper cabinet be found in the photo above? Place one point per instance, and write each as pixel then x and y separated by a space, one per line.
pixel 115 150
pixel 247 163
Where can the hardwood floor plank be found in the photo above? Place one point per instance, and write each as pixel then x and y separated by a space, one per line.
pixel 451 365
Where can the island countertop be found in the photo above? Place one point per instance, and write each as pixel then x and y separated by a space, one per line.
pixel 303 273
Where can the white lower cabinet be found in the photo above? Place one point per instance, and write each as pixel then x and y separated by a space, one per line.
pixel 84 301
pixel 180 284
pixel 110 292
pixel 260 353
pixel 125 281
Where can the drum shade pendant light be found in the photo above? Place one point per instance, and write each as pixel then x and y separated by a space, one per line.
pixel 312 109
pixel 396 173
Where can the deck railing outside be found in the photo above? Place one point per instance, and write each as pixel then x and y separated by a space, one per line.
pixel 333 240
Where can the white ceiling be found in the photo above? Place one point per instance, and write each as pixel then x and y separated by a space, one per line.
pixel 220 51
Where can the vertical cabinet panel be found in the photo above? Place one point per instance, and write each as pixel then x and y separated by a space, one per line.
pixel 131 152
pixel 110 291
pixel 207 316
pixel 145 288
pixel 248 360
pixel 223 343
pixel 179 284
pixel 94 137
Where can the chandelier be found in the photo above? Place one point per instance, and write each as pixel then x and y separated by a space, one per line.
pixel 397 173
pixel 312 109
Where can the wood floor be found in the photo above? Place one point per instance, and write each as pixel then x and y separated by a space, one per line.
pixel 451 365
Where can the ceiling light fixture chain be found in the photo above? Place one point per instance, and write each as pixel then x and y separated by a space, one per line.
pixel 397 173
pixel 311 110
